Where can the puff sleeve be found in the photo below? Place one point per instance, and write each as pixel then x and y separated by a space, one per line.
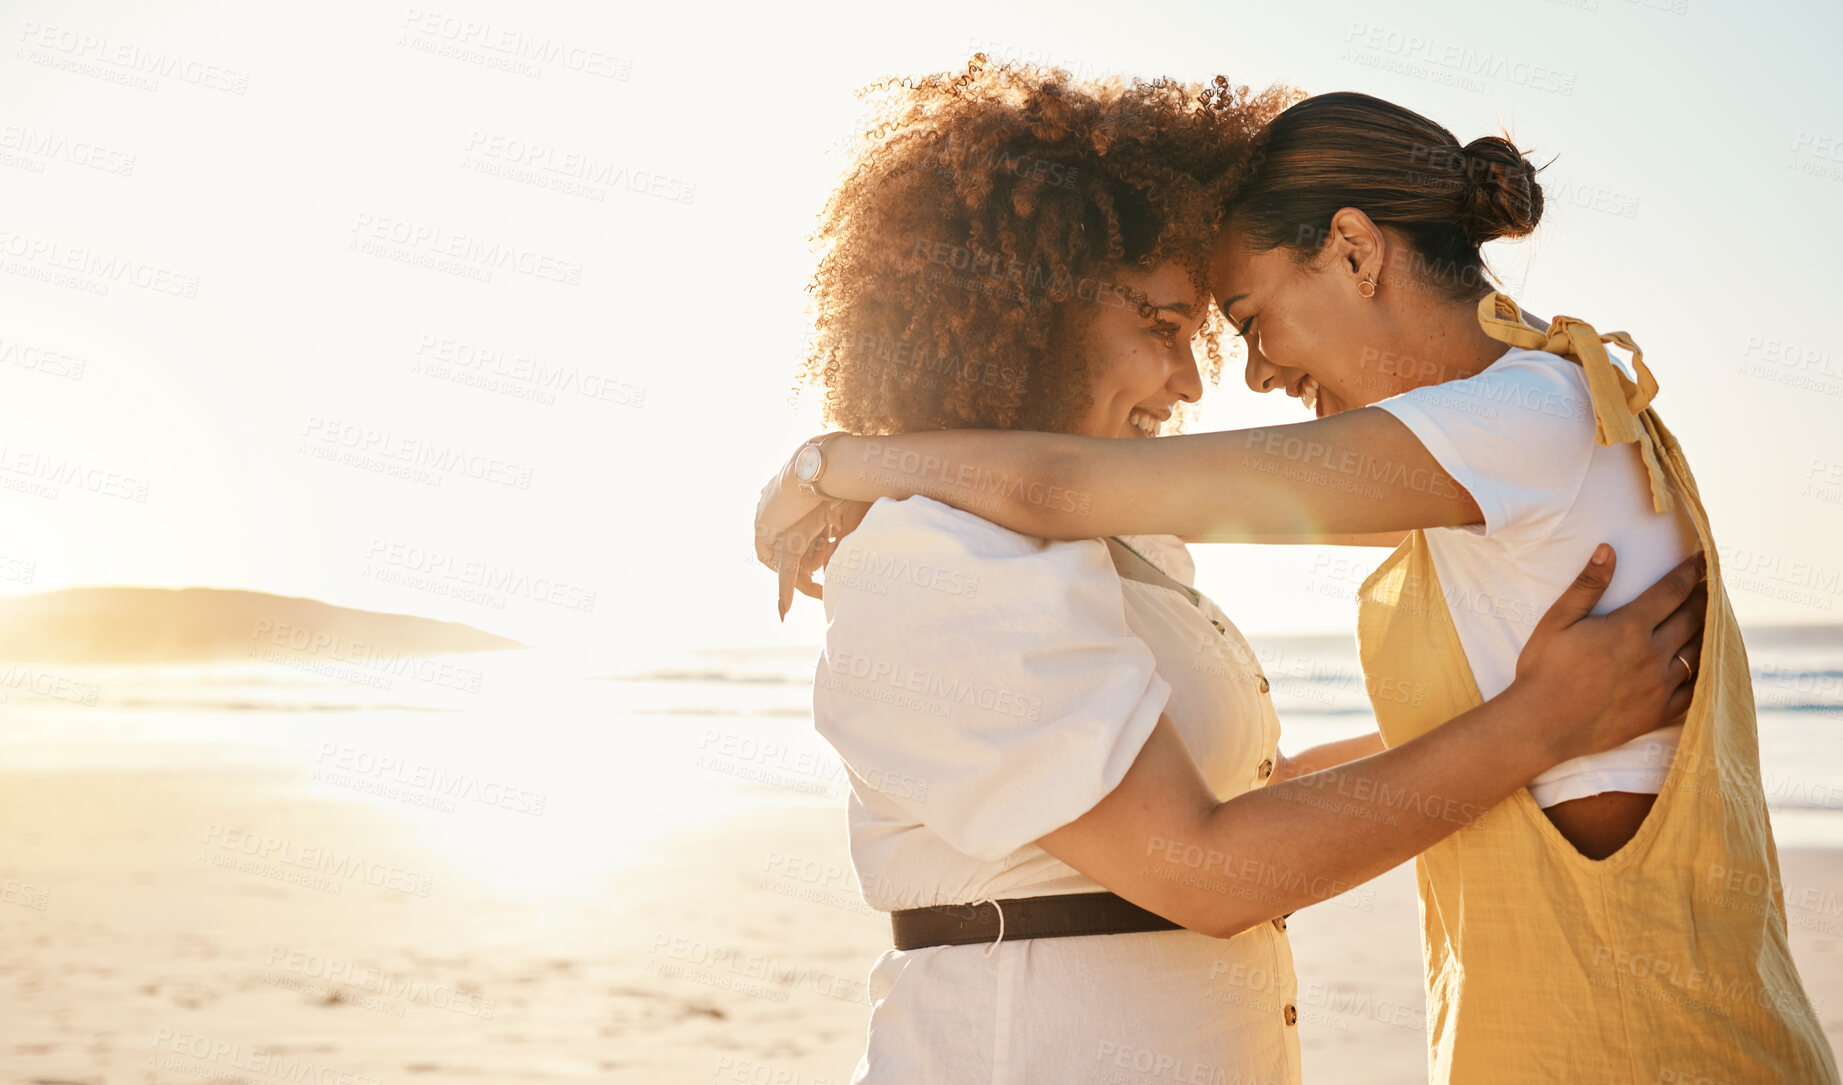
pixel 985 680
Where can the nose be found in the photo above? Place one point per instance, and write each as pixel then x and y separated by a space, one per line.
pixel 1261 375
pixel 1186 382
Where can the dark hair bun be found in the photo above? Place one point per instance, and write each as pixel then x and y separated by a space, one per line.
pixel 1499 196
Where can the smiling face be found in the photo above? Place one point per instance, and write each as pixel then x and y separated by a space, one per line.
pixel 1138 368
pixel 1307 330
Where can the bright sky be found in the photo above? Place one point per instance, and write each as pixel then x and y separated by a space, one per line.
pixel 292 214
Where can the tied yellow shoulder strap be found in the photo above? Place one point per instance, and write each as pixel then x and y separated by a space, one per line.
pixel 1618 401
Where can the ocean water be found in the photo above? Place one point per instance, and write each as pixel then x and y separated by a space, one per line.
pixel 629 756
pixel 750 711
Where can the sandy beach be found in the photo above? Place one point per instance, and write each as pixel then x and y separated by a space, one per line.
pixel 175 926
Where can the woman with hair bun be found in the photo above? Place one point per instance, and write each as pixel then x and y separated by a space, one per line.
pixel 1580 930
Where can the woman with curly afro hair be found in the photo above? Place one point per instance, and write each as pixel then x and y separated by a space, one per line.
pixel 1063 756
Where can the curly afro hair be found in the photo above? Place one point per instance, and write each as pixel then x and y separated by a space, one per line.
pixel 979 222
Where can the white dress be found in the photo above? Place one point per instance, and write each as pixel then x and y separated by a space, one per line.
pixel 983 688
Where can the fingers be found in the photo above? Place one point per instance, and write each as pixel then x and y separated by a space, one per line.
pixel 828 539
pixel 818 556
pixel 764 538
pixel 841 520
pixel 1685 664
pixel 805 548
pixel 1657 602
pixel 1684 623
pixel 1680 700
pixel 838 523
pixel 787 570
pixel 779 498
pixel 790 549
pixel 764 547
pixel 1580 597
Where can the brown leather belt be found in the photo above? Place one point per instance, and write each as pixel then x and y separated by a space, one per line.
pixel 1056 916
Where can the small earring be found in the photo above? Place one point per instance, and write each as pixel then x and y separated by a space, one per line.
pixel 1370 292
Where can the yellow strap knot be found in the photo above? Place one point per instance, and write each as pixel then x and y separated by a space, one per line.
pixel 1619 402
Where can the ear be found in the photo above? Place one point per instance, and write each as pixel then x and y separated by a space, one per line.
pixel 1357 244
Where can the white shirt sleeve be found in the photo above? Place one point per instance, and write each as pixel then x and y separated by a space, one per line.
pixel 991 674
pixel 1518 436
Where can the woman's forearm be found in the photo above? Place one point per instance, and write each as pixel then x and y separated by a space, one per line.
pixel 1293 844
pixel 1163 840
pixel 1002 475
pixel 1356 473
pixel 1325 755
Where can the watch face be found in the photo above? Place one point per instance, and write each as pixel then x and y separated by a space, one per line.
pixel 806 464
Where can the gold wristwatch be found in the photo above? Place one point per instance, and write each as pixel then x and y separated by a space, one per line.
pixel 809 463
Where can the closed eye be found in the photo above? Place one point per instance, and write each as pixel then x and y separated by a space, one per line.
pixel 1242 330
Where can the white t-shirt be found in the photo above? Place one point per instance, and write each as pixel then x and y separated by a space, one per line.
pixel 1519 436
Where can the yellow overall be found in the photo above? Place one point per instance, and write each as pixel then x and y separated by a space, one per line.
pixel 1665 962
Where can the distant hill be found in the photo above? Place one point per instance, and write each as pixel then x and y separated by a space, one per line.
pixel 161 625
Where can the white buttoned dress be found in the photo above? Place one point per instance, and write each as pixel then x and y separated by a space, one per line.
pixel 983 688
